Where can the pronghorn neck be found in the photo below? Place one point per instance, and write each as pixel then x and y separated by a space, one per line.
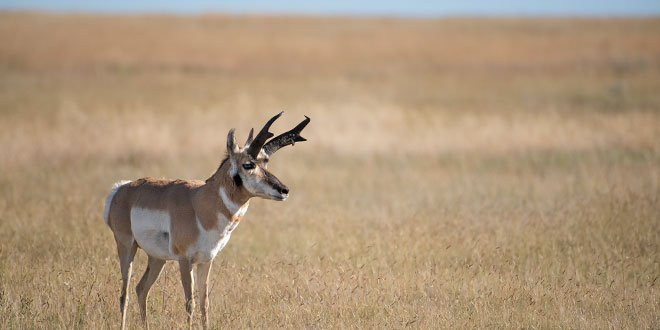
pixel 236 208
pixel 227 186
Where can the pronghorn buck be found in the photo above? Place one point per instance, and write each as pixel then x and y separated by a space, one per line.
pixel 190 221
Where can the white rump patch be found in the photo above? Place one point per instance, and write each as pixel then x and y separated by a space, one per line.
pixel 108 200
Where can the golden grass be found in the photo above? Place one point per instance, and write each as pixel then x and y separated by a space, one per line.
pixel 460 173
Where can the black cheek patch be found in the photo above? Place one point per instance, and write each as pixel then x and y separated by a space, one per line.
pixel 237 180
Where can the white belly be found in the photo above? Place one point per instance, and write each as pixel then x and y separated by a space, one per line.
pixel 151 229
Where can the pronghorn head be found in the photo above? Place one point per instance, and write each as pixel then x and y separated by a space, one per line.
pixel 249 165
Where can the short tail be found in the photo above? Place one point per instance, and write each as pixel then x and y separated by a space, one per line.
pixel 108 200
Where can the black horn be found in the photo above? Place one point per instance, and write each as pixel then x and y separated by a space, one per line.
pixel 260 139
pixel 284 139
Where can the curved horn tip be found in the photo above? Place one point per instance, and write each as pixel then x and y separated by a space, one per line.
pixel 271 121
pixel 262 137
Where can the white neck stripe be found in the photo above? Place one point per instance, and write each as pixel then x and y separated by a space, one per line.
pixel 231 206
pixel 237 211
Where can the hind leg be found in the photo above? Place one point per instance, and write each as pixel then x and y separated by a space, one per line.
pixel 154 268
pixel 126 253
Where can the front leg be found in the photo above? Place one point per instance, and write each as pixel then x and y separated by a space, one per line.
pixel 202 286
pixel 185 267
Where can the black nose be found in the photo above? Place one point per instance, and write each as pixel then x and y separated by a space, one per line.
pixel 284 190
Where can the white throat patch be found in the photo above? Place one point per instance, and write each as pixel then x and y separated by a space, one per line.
pixel 237 211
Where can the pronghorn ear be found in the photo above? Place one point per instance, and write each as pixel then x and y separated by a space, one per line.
pixel 249 139
pixel 232 146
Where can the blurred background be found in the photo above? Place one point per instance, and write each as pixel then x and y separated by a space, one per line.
pixel 482 164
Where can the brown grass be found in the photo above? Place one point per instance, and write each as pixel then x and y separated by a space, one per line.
pixel 460 173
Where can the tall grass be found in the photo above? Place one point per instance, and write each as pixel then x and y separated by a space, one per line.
pixel 459 173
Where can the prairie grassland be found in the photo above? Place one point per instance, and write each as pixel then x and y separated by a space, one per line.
pixel 459 173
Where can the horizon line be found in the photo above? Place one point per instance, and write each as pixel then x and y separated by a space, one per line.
pixel 338 14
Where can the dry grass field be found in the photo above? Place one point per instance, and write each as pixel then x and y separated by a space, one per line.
pixel 489 173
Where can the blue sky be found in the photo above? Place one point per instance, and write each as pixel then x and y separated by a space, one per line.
pixel 355 7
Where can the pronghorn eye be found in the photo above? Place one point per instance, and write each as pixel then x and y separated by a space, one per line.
pixel 249 166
